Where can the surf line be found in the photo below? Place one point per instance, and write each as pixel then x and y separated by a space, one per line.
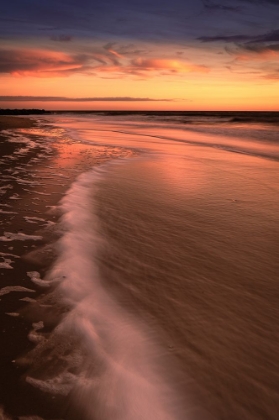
pixel 112 368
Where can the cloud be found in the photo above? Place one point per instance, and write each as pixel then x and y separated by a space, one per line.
pixel 129 50
pixel 272 76
pixel 40 63
pixel 264 2
pixel 213 6
pixel 68 99
pixel 61 38
pixel 261 48
pixel 46 63
pixel 169 65
pixel 97 61
pixel 259 59
pixel 125 19
pixel 132 20
pixel 144 68
pixel 255 52
pixel 264 55
pixel 225 38
pixel 272 36
pixel 109 47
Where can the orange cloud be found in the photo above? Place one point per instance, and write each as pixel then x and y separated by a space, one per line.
pixel 46 63
pixel 174 66
pixel 115 53
pixel 259 55
pixel 39 63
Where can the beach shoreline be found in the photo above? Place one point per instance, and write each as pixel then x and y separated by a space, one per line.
pixel 37 171
pixel 176 248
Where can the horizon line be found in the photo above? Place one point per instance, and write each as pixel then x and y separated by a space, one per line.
pixel 131 110
pixel 16 98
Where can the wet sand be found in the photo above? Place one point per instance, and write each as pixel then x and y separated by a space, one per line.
pixel 188 256
pixel 192 232
pixel 34 177
pixel 7 122
pixel 197 259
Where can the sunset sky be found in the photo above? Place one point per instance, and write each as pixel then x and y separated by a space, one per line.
pixel 140 54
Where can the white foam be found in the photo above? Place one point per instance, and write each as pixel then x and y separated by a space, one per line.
pixel 33 335
pixel 49 223
pixel 9 236
pixel 5 188
pixel 22 181
pixel 14 314
pixel 41 193
pixel 120 375
pixel 36 278
pixel 7 212
pixel 31 219
pixel 21 139
pixel 28 299
pixel 7 254
pixel 52 209
pixel 6 263
pixel 22 151
pixel 10 289
pixel 11 157
pixel 15 197
pixel 38 325
pixel 60 385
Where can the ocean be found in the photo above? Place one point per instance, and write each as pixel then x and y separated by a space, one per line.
pixel 139 258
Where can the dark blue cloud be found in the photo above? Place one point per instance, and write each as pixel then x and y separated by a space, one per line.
pixel 225 38
pixel 265 43
pixel 272 36
pixel 108 17
pixel 217 6
pixel 61 38
pixel 156 20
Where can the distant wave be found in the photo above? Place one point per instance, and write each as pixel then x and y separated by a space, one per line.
pixel 190 117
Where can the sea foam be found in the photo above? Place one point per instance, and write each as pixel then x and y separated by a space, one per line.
pixel 112 367
pixel 10 236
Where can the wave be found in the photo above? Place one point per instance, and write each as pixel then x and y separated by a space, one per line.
pixel 268 150
pixel 104 360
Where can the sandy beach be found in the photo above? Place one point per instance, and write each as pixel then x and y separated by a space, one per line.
pixel 138 269
pixel 35 174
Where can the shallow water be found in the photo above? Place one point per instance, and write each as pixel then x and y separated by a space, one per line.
pixel 168 267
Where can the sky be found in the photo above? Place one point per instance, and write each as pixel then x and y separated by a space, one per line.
pixel 140 54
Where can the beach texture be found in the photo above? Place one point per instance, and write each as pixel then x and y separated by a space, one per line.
pixel 139 268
